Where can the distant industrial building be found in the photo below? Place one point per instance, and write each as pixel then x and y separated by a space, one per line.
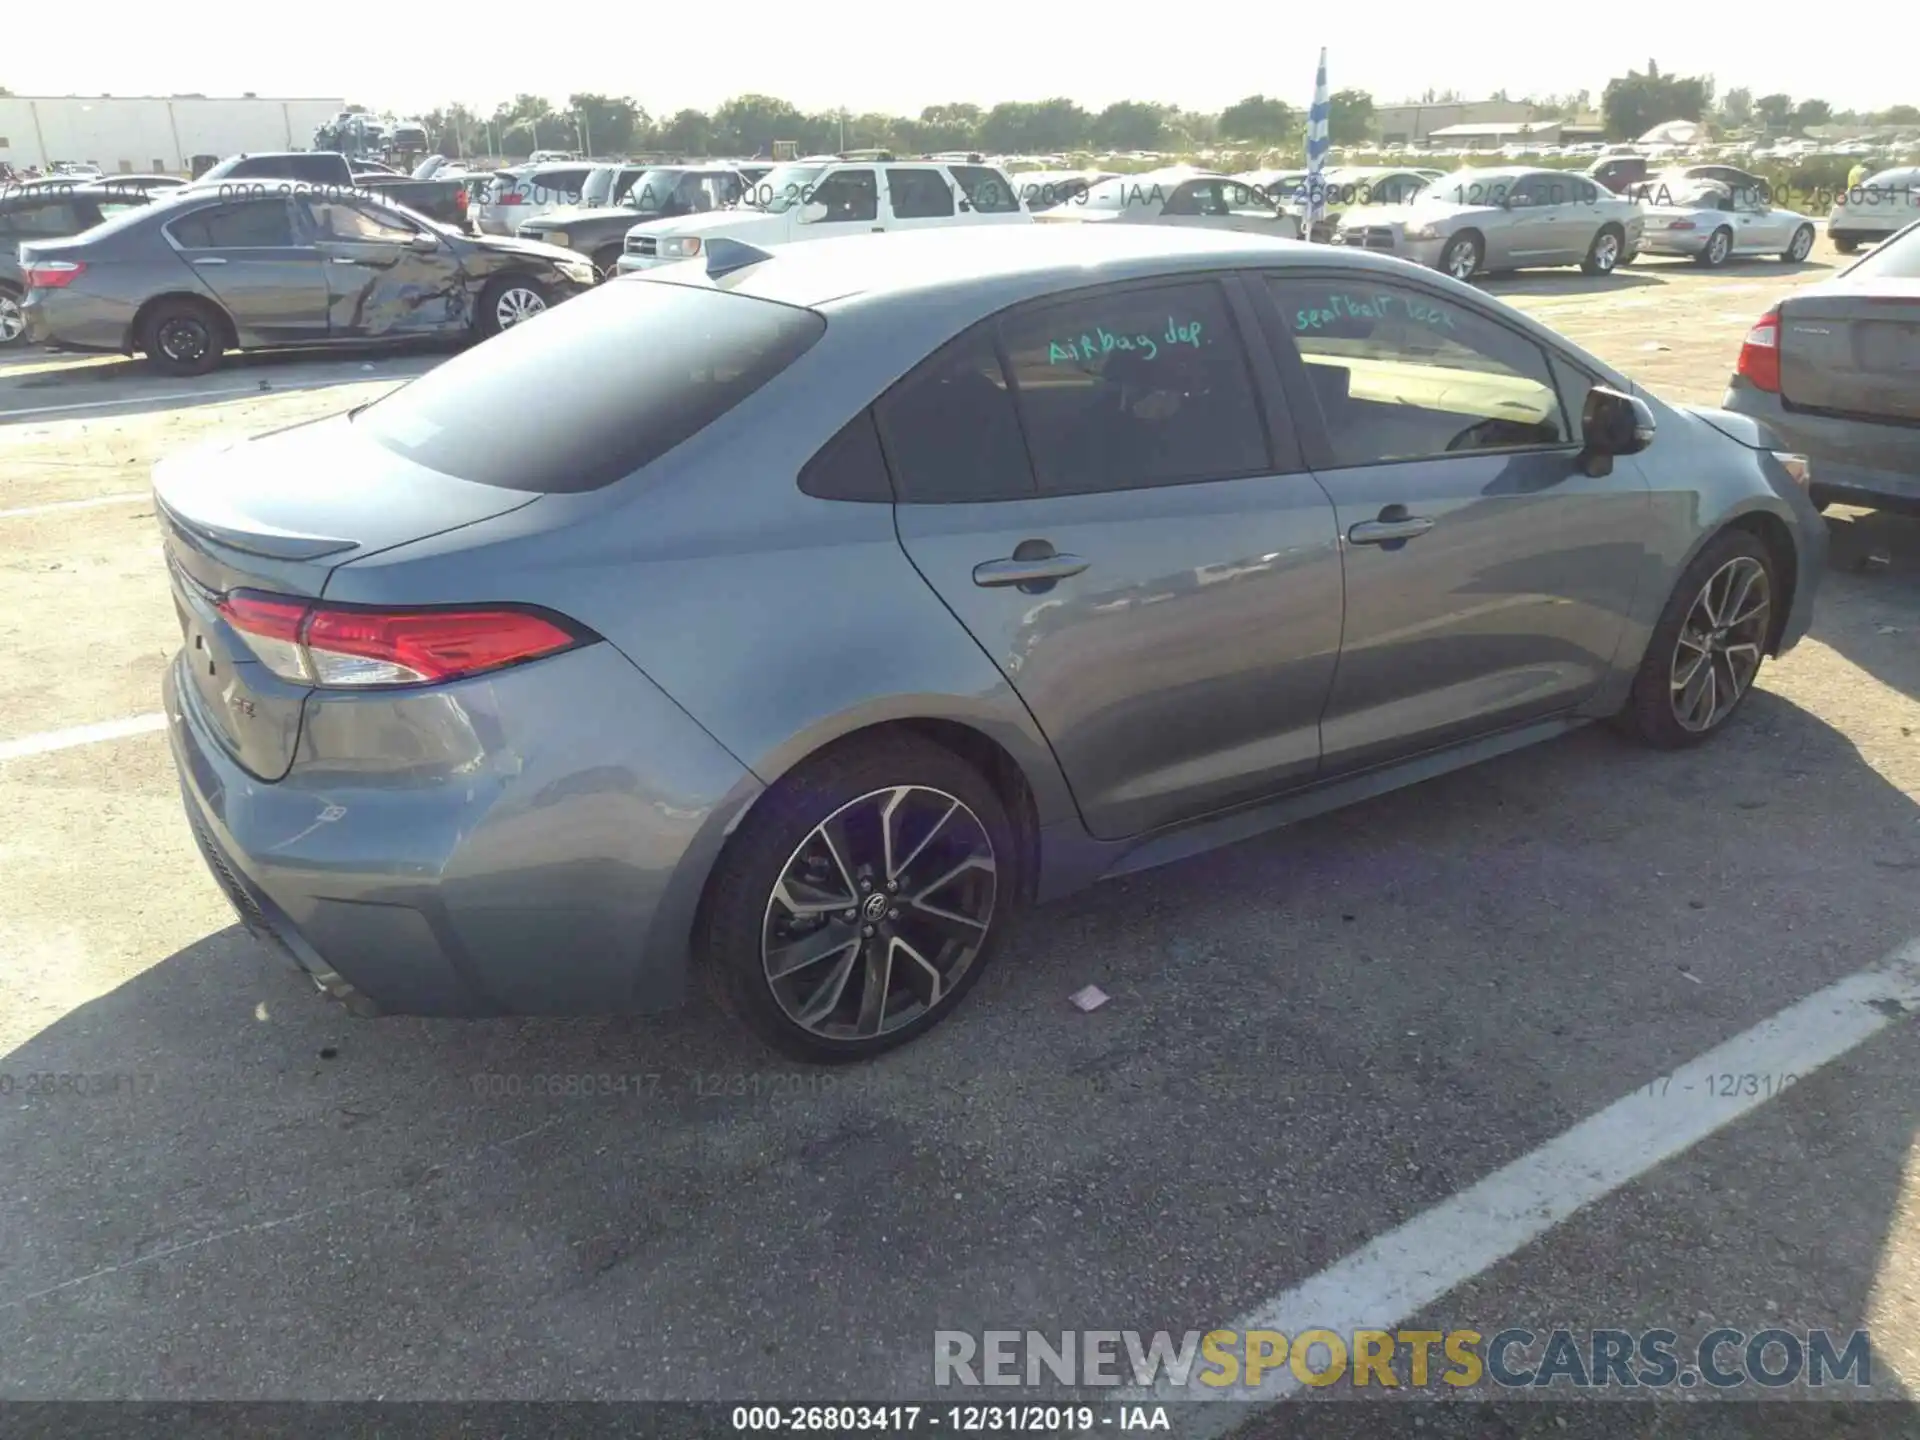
pixel 138 134
pixel 1414 124
pixel 1525 132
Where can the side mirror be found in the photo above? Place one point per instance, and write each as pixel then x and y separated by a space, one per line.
pixel 1614 423
pixel 425 244
pixel 812 213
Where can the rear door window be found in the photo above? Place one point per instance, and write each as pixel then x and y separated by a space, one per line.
pixel 1131 388
pixel 950 429
pixel 240 225
pixel 919 194
pixel 986 189
pixel 622 376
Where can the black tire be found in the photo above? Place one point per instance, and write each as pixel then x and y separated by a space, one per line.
pixel 488 318
pixel 13 325
pixel 1800 247
pixel 183 337
pixel 1603 254
pixel 1650 713
pixel 739 914
pixel 1627 258
pixel 1718 249
pixel 606 263
pixel 1454 259
pixel 1846 245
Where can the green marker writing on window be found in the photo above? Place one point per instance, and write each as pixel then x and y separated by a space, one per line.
pixel 1084 347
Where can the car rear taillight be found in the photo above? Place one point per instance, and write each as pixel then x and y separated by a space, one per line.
pixel 1759 362
pixel 460 198
pixel 1681 225
pixel 54 274
pixel 512 197
pixel 350 647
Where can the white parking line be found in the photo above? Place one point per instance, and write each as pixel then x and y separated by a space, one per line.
pixel 52 505
pixel 1398 1275
pixel 80 735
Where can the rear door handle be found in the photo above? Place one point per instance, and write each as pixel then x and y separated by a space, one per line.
pixel 1042 570
pixel 343 260
pixel 879 229
pixel 208 260
pixel 1385 532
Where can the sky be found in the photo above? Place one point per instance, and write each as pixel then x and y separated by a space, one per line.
pixel 865 55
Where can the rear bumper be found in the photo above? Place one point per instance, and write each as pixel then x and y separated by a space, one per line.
pixel 1666 242
pixel 75 320
pixel 533 843
pixel 1854 461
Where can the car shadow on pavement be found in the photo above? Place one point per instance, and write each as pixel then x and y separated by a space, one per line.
pixel 1874 561
pixel 1311 1037
pixel 1517 283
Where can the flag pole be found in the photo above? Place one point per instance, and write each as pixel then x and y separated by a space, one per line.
pixel 1317 144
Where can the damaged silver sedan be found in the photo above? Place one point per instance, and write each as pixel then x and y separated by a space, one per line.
pixel 253 267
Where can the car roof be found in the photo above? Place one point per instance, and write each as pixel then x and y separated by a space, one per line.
pixel 1003 263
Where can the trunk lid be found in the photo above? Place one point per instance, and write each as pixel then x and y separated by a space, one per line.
pixel 1853 350
pixel 279 513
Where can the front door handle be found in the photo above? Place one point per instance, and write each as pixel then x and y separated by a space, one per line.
pixel 343 260
pixel 879 229
pixel 1041 570
pixel 1386 532
pixel 209 260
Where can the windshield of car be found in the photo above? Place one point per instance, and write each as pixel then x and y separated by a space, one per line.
pixel 1894 259
pixel 784 187
pixel 624 374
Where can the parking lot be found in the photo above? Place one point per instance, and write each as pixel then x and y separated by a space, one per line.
pixel 1313 1038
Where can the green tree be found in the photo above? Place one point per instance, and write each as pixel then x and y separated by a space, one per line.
pixel 1811 112
pixel 1349 116
pixel 689 132
pixel 1633 104
pixel 1775 112
pixel 1258 119
pixel 1035 126
pixel 610 122
pixel 1130 125
pixel 750 124
pixel 1736 109
pixel 1897 115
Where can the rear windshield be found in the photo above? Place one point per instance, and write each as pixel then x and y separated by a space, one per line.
pixel 1894 259
pixel 601 386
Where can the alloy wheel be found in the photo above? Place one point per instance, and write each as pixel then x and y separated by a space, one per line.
pixel 879 913
pixel 1717 249
pixel 1802 244
pixel 184 339
pixel 1606 252
pixel 516 305
pixel 1462 262
pixel 1717 653
pixel 13 323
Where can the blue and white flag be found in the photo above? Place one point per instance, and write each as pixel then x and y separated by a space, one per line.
pixel 1317 144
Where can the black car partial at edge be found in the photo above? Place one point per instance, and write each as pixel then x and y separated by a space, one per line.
pixel 196 273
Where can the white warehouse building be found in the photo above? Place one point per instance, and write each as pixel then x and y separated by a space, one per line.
pixel 139 134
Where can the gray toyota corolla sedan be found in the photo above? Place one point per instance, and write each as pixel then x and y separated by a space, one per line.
pixel 849 597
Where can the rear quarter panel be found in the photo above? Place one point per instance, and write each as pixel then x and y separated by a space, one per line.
pixel 780 622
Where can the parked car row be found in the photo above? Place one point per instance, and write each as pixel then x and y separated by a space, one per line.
pixel 185 275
